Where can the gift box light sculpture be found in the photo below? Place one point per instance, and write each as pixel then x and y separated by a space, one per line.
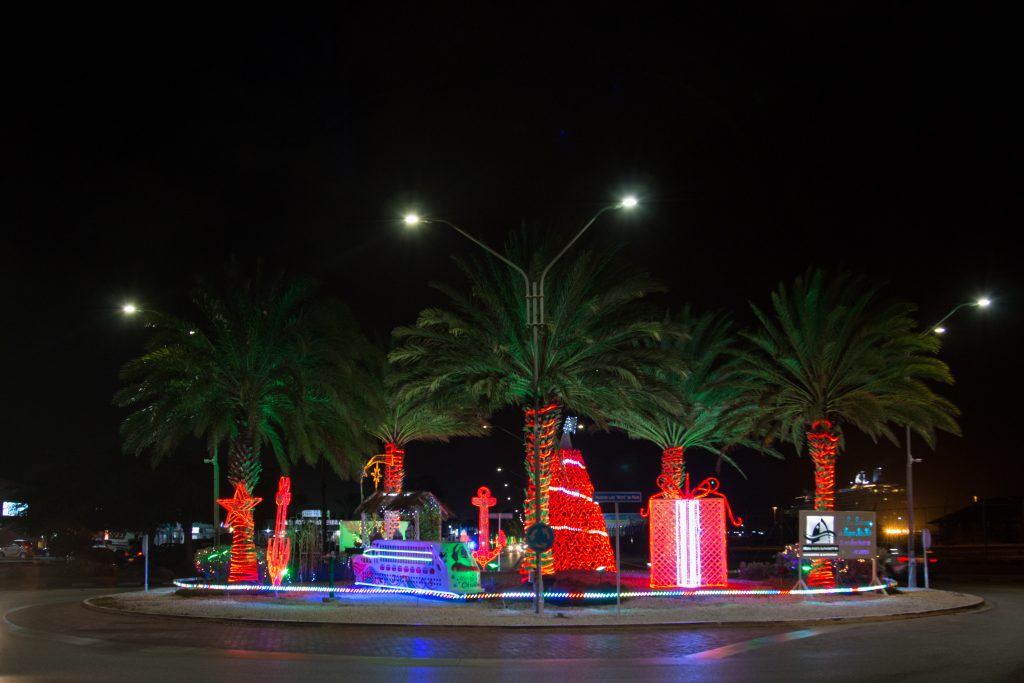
pixel 688 534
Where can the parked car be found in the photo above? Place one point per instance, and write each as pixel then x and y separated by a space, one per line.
pixel 19 547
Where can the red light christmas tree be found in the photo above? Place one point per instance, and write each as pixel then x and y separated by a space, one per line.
pixel 581 538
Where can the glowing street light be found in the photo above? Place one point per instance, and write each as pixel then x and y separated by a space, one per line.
pixel 411 220
pixel 937 328
pixel 129 308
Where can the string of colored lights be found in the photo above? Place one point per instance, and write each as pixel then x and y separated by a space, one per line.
pixel 546 420
pixel 279 547
pixel 243 549
pixel 581 538
pixel 366 589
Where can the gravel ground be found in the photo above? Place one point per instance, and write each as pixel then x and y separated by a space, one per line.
pixel 407 610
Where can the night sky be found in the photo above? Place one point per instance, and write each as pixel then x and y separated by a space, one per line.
pixel 142 151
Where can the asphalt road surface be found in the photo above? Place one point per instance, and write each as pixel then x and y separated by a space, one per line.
pixel 47 635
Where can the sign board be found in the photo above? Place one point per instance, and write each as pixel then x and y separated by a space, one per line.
pixel 499 515
pixel 843 534
pixel 926 538
pixel 540 537
pixel 617 497
pixel 10 508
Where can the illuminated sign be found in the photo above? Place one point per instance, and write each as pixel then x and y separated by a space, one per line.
pixel 849 535
pixel 13 509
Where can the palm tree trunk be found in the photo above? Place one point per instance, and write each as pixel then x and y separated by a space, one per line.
pixel 546 419
pixel 823 445
pixel 394 469
pixel 394 478
pixel 243 471
pixel 672 466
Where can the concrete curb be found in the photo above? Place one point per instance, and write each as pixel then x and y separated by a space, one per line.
pixel 975 603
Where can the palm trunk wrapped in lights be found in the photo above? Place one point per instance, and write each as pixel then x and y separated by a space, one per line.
pixel 672 465
pixel 243 550
pixel 546 421
pixel 394 468
pixel 243 474
pixel 823 445
pixel 394 479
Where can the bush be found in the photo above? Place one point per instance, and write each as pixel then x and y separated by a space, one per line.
pixel 214 564
pixel 756 571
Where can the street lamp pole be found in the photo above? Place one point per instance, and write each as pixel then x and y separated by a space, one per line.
pixel 216 494
pixel 911 542
pixel 534 321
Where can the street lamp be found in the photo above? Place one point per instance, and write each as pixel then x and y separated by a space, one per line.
pixel 216 494
pixel 937 328
pixel 534 321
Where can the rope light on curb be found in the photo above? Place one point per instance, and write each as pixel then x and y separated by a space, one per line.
pixel 197 584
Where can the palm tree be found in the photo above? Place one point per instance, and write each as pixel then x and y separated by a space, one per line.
pixel 397 419
pixel 262 367
pixel 591 356
pixel 831 354
pixel 714 414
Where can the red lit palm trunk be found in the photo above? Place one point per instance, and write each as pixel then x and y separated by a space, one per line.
pixel 394 468
pixel 671 468
pixel 394 478
pixel 243 474
pixel 546 420
pixel 823 445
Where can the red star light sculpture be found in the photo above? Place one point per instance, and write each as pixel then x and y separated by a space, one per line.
pixel 243 550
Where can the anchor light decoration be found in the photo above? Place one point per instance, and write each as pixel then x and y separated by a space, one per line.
pixel 280 546
pixel 484 553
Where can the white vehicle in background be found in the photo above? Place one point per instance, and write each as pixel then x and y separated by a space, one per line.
pixel 19 548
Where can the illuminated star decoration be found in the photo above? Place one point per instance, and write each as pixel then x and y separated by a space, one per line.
pixel 243 551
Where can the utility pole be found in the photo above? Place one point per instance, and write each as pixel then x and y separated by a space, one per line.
pixel 216 494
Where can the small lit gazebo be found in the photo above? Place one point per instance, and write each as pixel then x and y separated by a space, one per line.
pixel 422 508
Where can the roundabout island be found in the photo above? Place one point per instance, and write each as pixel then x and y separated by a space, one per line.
pixel 741 603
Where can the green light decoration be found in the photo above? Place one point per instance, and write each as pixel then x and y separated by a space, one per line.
pixel 214 564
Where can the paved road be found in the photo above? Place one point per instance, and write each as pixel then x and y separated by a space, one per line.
pixel 48 636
